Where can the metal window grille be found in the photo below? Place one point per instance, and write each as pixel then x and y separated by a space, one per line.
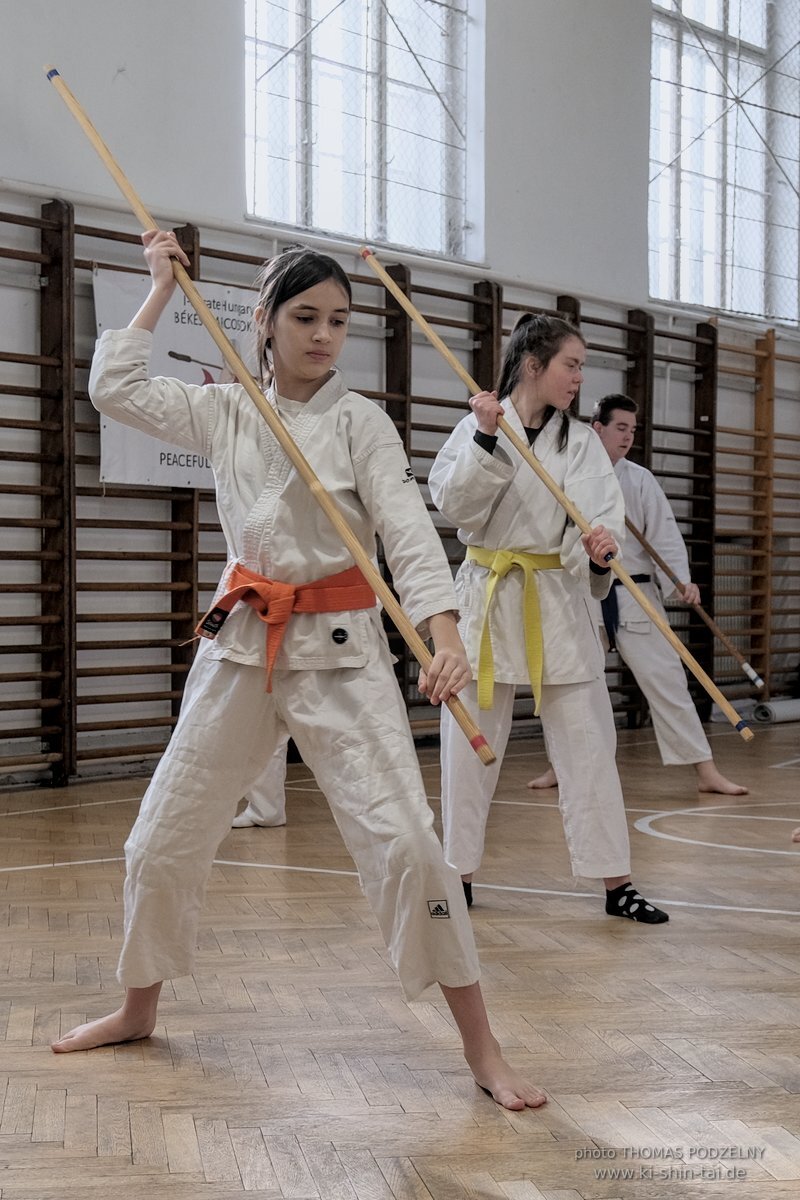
pixel 724 203
pixel 356 118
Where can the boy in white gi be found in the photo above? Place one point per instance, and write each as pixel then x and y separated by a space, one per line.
pixel 656 667
pixel 524 591
pixel 329 677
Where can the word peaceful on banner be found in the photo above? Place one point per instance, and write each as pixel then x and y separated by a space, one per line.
pixel 182 349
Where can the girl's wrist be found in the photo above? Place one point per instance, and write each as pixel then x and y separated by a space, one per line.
pixel 162 289
pixel 444 629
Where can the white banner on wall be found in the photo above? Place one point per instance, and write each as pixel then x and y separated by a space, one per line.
pixel 182 349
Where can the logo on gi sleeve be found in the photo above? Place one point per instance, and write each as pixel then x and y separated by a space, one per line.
pixel 439 909
pixel 409 476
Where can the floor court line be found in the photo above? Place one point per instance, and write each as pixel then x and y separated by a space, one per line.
pixel 298 784
pixel 78 862
pixel 28 812
pixel 311 785
pixel 542 804
pixel 528 891
pixel 644 825
pixel 495 887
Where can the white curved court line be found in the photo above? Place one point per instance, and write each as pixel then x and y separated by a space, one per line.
pixel 645 825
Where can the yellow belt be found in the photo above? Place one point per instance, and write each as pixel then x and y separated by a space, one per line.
pixel 500 562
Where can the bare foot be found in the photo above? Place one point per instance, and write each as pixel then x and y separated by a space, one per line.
pixel 548 780
pixel 503 1084
pixel 709 779
pixel 796 835
pixel 105 1031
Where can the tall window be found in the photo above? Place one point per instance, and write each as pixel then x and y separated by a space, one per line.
pixel 356 118
pixel 724 155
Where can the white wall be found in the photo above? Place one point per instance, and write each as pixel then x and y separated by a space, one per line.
pixel 566 122
pixel 160 79
pixel 567 118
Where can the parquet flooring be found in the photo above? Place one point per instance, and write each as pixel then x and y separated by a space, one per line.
pixel 288 1065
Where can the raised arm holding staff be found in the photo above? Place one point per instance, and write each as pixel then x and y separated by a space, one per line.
pixel 524 592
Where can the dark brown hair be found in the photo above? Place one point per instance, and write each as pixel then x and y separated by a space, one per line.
pixel 294 270
pixel 603 408
pixel 542 337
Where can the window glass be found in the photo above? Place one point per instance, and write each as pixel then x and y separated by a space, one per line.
pixel 724 195
pixel 356 118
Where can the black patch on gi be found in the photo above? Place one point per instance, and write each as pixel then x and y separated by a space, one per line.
pixel 213 621
pixel 340 636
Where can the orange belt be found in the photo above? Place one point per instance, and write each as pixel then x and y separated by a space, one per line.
pixel 275 602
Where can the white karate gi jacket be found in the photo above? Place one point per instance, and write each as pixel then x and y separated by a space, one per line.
pixel 656 666
pixel 649 510
pixel 498 502
pixel 270 519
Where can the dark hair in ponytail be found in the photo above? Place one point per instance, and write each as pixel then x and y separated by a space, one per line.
pixel 542 337
pixel 294 270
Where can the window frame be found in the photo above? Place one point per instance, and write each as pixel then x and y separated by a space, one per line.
pixel 461 237
pixel 672 284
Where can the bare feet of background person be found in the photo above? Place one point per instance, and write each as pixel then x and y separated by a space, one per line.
pixel 709 779
pixel 548 780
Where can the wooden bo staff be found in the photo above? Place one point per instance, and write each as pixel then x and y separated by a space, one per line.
pixel 749 671
pixel 575 515
pixel 278 429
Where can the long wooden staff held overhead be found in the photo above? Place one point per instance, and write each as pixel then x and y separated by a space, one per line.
pixel 373 577
pixel 562 498
pixel 749 671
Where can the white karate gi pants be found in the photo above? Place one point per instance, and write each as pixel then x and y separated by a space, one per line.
pixel 266 798
pixel 582 742
pixel 352 729
pixel 659 673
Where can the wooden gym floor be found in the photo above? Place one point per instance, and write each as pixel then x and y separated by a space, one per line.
pixel 289 1065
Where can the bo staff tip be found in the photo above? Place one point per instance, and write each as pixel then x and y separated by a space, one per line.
pixel 753 676
pixel 366 252
pixel 483 750
pixel 50 71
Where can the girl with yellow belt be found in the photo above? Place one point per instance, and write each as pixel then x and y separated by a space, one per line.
pixel 524 591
